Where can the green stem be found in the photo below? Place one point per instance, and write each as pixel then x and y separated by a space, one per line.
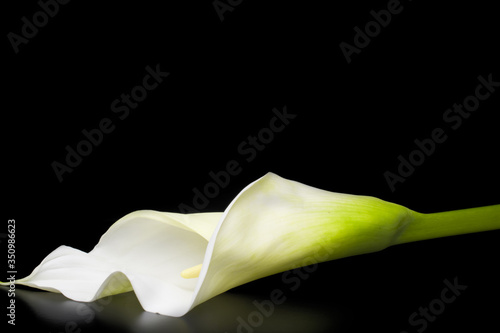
pixel 456 222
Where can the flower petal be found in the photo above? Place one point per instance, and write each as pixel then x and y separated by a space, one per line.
pixel 276 224
pixel 144 251
pixel 272 225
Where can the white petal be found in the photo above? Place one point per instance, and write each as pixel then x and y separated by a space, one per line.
pixel 275 224
pixel 271 226
pixel 144 251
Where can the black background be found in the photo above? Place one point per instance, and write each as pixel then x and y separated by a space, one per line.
pixel 352 122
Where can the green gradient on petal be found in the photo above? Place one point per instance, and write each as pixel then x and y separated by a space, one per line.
pixel 272 225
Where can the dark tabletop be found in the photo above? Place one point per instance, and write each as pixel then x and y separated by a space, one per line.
pixel 397 100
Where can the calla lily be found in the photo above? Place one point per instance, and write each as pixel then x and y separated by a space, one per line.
pixel 174 262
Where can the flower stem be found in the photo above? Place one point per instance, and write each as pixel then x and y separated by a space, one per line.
pixel 456 222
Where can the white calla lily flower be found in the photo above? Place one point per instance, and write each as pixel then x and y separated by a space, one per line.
pixel 174 262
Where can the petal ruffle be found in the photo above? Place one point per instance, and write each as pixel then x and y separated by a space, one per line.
pixel 143 251
pixel 272 225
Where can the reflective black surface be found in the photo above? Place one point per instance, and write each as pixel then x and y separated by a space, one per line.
pixel 435 286
pixel 224 313
pixel 353 122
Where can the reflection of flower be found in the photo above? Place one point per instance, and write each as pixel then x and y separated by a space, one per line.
pixel 174 262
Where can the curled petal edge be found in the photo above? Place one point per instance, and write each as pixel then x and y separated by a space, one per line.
pixel 271 226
